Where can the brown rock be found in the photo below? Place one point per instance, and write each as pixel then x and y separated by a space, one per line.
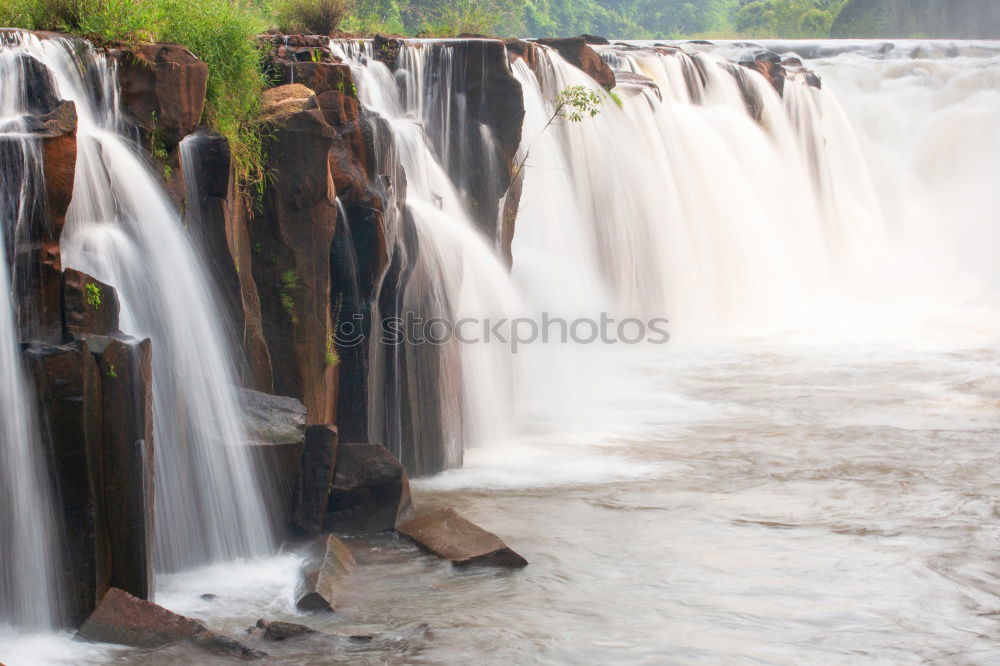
pixel 68 392
pixel 125 620
pixel 292 236
pixel 323 577
pixel 126 365
pixel 577 52
pixel 451 537
pixel 163 88
pixel 279 631
pixel 89 305
pixel 279 103
pixel 217 217
pixel 370 492
pixel 319 457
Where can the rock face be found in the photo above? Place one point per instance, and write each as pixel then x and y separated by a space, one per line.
pixel 125 620
pixel 370 491
pixel 451 537
pixel 95 403
pixel 957 19
pixel 292 236
pixel 323 576
pixel 216 215
pixel 89 305
pixel 315 477
pixel 577 52
pixel 163 88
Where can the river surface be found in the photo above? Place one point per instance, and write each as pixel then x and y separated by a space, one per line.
pixel 821 491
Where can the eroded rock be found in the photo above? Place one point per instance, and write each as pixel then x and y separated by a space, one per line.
pixel 89 305
pixel 577 52
pixel 123 619
pixel 453 538
pixel 323 576
pixel 319 457
pixel 370 492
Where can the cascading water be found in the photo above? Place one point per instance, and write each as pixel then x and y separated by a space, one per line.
pixel 453 393
pixel 28 541
pixel 122 230
pixel 691 206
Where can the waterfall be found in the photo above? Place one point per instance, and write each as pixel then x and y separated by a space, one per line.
pixel 704 196
pixel 431 400
pixel 28 538
pixel 122 230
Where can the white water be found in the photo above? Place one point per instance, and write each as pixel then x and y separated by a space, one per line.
pixel 456 272
pixel 122 230
pixel 28 539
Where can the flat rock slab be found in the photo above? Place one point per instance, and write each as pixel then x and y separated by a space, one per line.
pixel 126 620
pixel 451 537
pixel 323 577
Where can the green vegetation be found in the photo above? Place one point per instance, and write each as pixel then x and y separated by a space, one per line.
pixel 220 32
pixel 317 17
pixel 787 18
pixel 111 372
pixel 289 283
pixel 94 296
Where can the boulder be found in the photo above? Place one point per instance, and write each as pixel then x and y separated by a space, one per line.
pixel 125 620
pixel 89 305
pixel 279 103
pixel 370 491
pixel 323 576
pixel 319 457
pixel 451 537
pixel 273 419
pixel 278 631
pixel 39 91
pixel 577 52
pixel 276 426
pixel 767 64
pixel 632 84
pixel 163 89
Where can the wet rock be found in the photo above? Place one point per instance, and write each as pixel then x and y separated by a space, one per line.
pixel 273 419
pixel 630 84
pixel 370 492
pixel 767 64
pixel 125 365
pixel 279 631
pixel 209 597
pixel 125 620
pixel 451 537
pixel 595 40
pixel 163 89
pixel 39 89
pixel 89 305
pixel 292 235
pixel 216 214
pixel 323 576
pixel 319 457
pixel 576 52
pixel 387 49
pixel 68 393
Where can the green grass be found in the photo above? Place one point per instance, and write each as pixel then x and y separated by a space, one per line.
pixel 315 17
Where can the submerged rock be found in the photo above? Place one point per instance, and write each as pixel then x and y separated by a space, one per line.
pixel 323 576
pixel 451 537
pixel 370 492
pixel 279 631
pixel 125 620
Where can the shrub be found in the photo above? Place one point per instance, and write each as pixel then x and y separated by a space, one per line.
pixel 318 17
